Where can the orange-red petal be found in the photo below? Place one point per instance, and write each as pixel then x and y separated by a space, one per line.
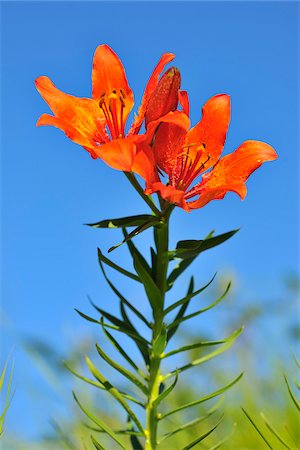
pixel 129 154
pixel 170 194
pixel 209 135
pixel 183 98
pixel 231 173
pixel 151 85
pixel 79 118
pixel 108 74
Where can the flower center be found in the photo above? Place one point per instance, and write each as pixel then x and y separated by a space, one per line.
pixel 113 106
pixel 187 166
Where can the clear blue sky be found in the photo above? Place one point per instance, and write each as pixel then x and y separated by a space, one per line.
pixel 51 186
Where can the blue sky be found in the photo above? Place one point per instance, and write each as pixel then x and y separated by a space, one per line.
pixel 51 186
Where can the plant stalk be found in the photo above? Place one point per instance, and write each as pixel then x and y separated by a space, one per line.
pixel 161 235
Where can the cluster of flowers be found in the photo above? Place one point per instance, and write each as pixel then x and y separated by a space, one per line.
pixel 167 146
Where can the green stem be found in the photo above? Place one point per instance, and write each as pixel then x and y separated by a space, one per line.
pixel 130 176
pixel 161 233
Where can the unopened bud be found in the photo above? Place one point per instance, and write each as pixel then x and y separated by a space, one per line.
pixel 165 97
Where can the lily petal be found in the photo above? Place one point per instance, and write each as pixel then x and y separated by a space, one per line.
pixel 209 135
pixel 151 85
pixel 129 154
pixel 108 74
pixel 170 194
pixel 183 98
pixel 231 172
pixel 79 118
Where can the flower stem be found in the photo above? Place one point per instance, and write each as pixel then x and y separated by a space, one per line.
pixel 161 235
pixel 130 176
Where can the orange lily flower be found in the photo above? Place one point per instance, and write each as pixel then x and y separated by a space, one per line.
pixel 185 155
pixel 98 123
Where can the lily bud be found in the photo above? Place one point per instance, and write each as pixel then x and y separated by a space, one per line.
pixel 165 97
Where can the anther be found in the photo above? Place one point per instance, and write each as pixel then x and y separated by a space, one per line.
pixel 122 101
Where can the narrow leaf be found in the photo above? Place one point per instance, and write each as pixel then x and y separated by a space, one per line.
pixel 136 445
pixel 202 437
pixel 256 428
pixel 190 316
pixel 100 424
pixel 122 298
pixel 115 393
pixel 181 312
pixel 191 248
pixel 273 431
pixel 135 232
pixel 130 221
pixel 159 343
pixel 97 445
pixel 166 392
pixel 115 343
pixel 209 356
pixel 126 373
pixel 203 399
pixel 295 401
pixel 201 344
pixel 190 423
pixel 102 258
pixel 100 385
pixel 187 297
pixel 182 266
pixel 152 291
pixel 136 253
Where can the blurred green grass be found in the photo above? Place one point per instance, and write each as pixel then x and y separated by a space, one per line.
pixel 262 392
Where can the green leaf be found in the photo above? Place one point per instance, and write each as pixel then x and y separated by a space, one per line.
pixel 153 262
pixel 209 356
pixel 188 297
pixel 142 347
pixel 179 315
pixel 274 432
pixel 99 423
pixel 115 266
pixel 178 270
pixel 97 445
pixel 166 392
pixel 100 386
pixel 115 393
pixel 126 373
pixel 125 355
pixel 199 345
pixel 152 290
pixel 182 266
pixel 203 399
pixel 190 423
pixel 136 253
pixel 159 343
pixel 295 401
pixel 200 311
pixel 202 437
pixel 135 232
pixel 256 428
pixel 136 445
pixel 192 248
pixel 135 337
pixel 130 221
pixel 141 342
pixel 8 396
pixel 122 298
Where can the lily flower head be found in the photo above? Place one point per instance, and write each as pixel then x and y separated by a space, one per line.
pixel 98 123
pixel 185 154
